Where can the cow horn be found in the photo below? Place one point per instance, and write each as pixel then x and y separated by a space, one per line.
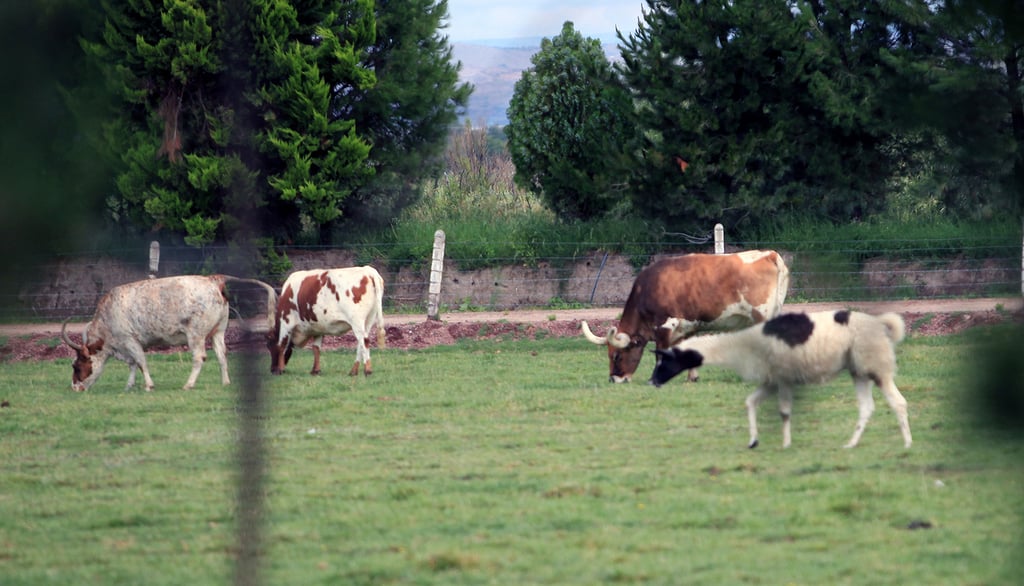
pixel 67 340
pixel 590 336
pixel 617 339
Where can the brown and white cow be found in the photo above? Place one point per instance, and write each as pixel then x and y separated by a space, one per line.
pixel 157 312
pixel 321 302
pixel 706 292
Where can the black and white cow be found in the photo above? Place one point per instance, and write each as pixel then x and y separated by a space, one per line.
pixel 795 349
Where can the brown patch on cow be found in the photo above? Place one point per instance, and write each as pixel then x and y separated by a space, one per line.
pixel 358 291
pixel 307 295
pixel 761 279
pixel 285 304
pixel 326 281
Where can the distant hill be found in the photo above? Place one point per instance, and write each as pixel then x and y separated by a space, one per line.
pixel 494 67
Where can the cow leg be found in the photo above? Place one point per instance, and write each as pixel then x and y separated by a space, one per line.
pixel 362 354
pixel 221 351
pixel 197 344
pixel 316 355
pixel 145 373
pixel 131 375
pixel 692 376
pixel 786 412
pixel 367 367
pixel 865 405
pixel 136 355
pixel 752 402
pixel 899 406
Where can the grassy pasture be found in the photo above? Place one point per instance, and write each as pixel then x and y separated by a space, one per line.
pixel 504 463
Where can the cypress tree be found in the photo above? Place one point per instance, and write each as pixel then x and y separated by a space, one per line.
pixel 235 116
pixel 409 112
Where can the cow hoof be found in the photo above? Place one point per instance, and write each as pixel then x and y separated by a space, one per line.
pixel 753 444
pixel 314 372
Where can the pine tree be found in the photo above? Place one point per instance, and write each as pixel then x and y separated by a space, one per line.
pixel 773 106
pixel 235 116
pixel 568 120
pixel 407 115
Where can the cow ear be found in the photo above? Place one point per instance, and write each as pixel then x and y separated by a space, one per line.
pixel 95 346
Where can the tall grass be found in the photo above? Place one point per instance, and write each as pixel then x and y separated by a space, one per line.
pixel 504 463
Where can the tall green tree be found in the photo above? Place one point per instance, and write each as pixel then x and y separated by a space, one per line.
pixel 970 93
pixel 236 116
pixel 407 115
pixel 568 119
pixel 52 181
pixel 751 109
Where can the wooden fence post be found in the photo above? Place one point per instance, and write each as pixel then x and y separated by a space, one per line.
pixel 719 239
pixel 154 259
pixel 436 268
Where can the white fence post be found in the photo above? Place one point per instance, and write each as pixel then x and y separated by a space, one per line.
pixel 719 239
pixel 436 268
pixel 154 259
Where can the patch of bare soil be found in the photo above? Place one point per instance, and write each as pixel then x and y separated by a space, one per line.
pixel 42 342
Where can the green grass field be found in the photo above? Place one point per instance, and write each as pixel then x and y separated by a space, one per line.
pixel 504 463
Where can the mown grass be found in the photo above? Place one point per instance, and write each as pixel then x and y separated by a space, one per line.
pixel 504 463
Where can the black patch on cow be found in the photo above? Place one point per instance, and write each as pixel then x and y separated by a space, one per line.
pixel 842 317
pixel 672 362
pixel 792 328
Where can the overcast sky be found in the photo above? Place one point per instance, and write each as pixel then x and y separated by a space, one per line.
pixel 472 20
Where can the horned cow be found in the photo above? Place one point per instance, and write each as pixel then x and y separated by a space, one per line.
pixel 157 312
pixel 319 302
pixel 795 349
pixel 705 292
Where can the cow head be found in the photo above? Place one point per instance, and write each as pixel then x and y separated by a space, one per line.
pixel 87 365
pixel 280 350
pixel 624 352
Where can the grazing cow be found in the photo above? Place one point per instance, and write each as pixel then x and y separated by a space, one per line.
pixel 157 312
pixel 706 292
pixel 321 302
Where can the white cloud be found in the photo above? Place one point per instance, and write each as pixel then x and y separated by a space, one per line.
pixel 505 19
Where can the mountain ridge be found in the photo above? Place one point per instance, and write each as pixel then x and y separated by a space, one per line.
pixel 494 71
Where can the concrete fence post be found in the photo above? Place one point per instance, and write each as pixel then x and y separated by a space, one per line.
pixel 154 259
pixel 436 268
pixel 719 239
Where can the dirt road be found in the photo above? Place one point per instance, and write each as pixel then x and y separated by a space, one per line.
pixel 541 316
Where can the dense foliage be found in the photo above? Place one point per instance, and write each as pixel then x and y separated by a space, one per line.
pixel 567 116
pixel 750 109
pixel 264 117
pixel 408 114
pixel 50 176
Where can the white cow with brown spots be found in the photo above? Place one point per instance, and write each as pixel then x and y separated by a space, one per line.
pixel 157 312
pixel 320 302
pixel 705 292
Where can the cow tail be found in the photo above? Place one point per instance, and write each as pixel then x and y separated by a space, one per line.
pixel 782 285
pixel 271 297
pixel 382 337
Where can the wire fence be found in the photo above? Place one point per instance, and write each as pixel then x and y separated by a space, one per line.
pixel 595 276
